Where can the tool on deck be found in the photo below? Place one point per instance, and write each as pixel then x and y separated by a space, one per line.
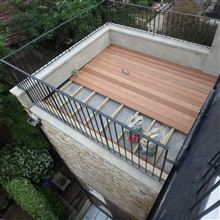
pixel 135 124
pixel 149 147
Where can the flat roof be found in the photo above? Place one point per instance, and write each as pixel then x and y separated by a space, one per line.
pixel 167 92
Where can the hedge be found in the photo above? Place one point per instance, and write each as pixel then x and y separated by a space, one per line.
pixel 30 199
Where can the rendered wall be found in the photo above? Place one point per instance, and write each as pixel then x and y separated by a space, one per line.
pixel 180 52
pixel 212 62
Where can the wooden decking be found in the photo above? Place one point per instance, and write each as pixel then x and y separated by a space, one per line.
pixel 170 93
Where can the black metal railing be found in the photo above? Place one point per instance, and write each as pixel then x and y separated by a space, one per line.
pixel 211 8
pixel 43 50
pixel 192 28
pixel 209 183
pixel 48 47
pixel 23 63
pixel 94 124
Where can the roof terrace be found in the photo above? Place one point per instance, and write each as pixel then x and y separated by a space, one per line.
pixel 116 66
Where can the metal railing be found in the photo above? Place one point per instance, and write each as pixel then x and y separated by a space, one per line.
pixel 208 185
pixel 212 9
pixel 93 123
pixel 51 45
pixel 187 27
pixel 23 63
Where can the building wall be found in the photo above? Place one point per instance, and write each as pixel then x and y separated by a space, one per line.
pixel 128 193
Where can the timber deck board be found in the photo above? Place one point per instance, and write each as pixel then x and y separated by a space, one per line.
pixel 169 93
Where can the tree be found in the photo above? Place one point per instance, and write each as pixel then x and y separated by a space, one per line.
pixel 144 2
pixel 32 18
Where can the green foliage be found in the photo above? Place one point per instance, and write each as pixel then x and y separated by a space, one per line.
pixel 144 2
pixel 55 203
pixel 14 117
pixel 4 50
pixel 24 162
pixel 30 199
pixel 12 114
pixel 32 18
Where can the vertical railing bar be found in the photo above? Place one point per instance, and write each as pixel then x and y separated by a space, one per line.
pixel 206 181
pixel 123 138
pixel 98 129
pixel 81 107
pixel 26 86
pixel 116 134
pixel 56 106
pixel 155 159
pixel 167 25
pixel 80 117
pixel 146 157
pixel 163 165
pixel 64 113
pixel 103 130
pixel 158 27
pixel 132 149
pixel 139 152
pixel 32 90
pixel 75 116
pixel 43 96
pixel 91 123
pixel 51 102
pixel 110 133
pixel 93 128
pixel 210 209
pixel 47 99
pixel 69 113
pixel 206 194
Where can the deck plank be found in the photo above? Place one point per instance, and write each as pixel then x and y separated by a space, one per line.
pixel 169 93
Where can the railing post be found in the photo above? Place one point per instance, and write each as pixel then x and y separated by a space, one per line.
pixel 155 14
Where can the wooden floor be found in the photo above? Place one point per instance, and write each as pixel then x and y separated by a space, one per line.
pixel 170 93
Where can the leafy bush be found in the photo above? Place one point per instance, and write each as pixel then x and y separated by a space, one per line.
pixel 144 2
pixel 24 162
pixel 30 199
pixel 53 198
pixel 14 117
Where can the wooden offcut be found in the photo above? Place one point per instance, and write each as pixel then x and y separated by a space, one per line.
pixel 169 93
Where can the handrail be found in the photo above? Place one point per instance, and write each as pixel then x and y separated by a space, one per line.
pixel 48 98
pixel 95 6
pixel 165 10
pixel 88 106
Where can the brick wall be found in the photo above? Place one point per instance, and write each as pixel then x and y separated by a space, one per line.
pixel 116 185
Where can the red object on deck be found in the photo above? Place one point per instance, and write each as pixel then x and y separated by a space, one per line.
pixel 133 138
